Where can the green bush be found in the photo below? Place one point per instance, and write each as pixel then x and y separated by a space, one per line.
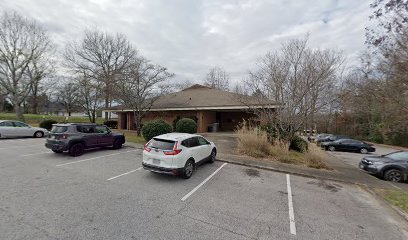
pixel 186 125
pixel 47 124
pixel 155 128
pixel 298 144
pixel 111 123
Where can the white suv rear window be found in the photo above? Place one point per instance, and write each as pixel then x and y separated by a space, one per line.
pixel 161 144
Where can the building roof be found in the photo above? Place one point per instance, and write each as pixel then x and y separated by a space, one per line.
pixel 199 97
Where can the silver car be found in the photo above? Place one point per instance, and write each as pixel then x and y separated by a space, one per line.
pixel 11 129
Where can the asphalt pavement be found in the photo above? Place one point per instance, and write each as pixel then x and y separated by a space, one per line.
pixel 105 194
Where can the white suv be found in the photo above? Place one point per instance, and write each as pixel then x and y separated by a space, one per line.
pixel 177 153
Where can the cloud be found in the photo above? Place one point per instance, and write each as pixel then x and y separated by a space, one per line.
pixel 189 37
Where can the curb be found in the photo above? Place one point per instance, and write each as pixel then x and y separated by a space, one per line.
pixel 132 146
pixel 396 209
pixel 292 172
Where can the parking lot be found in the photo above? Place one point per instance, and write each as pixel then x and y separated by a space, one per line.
pixel 353 159
pixel 105 194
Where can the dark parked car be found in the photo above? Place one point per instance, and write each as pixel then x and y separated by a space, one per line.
pixel 331 138
pixel 76 137
pixel 319 137
pixel 349 145
pixel 390 167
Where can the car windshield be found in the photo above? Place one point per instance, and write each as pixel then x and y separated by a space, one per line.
pixel 59 129
pixel 398 156
pixel 161 144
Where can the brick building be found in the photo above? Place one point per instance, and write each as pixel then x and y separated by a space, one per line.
pixel 204 104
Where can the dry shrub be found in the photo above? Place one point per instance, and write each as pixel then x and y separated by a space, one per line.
pixel 252 141
pixel 280 151
pixel 279 148
pixel 315 158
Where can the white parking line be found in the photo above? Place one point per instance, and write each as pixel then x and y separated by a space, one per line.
pixel 26 155
pixel 123 174
pixel 290 204
pixel 89 159
pixel 202 183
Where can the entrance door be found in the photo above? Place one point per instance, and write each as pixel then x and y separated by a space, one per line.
pixel 218 120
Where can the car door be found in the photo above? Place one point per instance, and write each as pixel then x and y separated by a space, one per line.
pixel 22 130
pixel 352 145
pixel 6 129
pixel 89 135
pixel 205 148
pixel 194 148
pixel 355 145
pixel 340 145
pixel 105 136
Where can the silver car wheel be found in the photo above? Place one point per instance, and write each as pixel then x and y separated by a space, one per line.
pixel 39 134
pixel 363 151
pixel 189 169
pixel 393 175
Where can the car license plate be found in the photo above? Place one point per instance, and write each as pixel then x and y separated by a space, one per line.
pixel 361 166
pixel 156 161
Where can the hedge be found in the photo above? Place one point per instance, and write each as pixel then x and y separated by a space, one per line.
pixel 186 125
pixel 155 128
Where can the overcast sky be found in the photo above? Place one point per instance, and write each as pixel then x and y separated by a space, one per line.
pixel 191 36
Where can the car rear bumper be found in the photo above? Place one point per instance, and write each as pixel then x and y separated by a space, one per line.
pixel 57 147
pixel 157 169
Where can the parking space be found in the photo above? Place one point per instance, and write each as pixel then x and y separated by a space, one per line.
pixel 353 159
pixel 104 194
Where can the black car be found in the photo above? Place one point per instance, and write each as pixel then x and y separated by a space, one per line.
pixel 76 137
pixel 390 167
pixel 331 138
pixel 349 145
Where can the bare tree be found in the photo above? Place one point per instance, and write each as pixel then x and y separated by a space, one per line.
pixel 69 95
pixel 38 70
pixel 22 42
pixel 299 79
pixel 100 56
pixel 217 78
pixel 90 96
pixel 138 87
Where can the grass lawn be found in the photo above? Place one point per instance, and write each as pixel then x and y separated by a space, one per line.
pixel 397 198
pixel 131 136
pixel 35 119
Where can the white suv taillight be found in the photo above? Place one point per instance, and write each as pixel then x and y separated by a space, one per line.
pixel 147 149
pixel 175 151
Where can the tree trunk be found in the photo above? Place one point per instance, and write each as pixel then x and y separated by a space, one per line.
pixel 138 122
pixel 35 99
pixel 19 113
pixel 89 115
